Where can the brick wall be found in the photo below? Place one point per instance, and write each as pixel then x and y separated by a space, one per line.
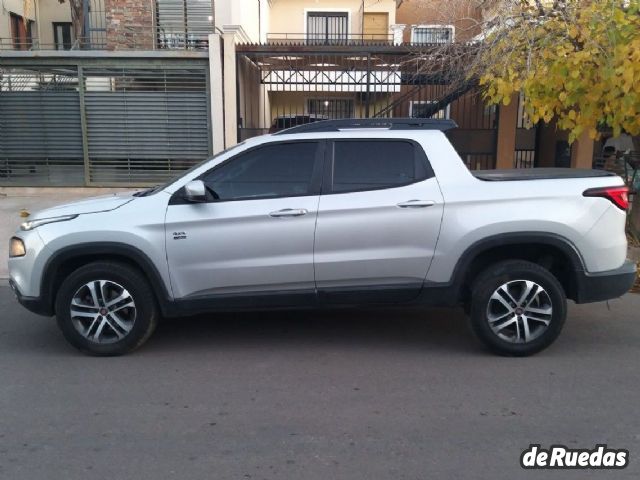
pixel 130 24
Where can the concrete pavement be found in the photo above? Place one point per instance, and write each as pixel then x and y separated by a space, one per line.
pixel 355 394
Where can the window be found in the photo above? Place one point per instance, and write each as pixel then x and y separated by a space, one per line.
pixel 62 35
pixel 327 28
pixel 427 34
pixel 276 170
pixel 330 108
pixel 183 24
pixel 21 32
pixel 372 164
pixel 418 109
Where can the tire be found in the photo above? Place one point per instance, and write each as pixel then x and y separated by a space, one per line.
pixel 533 323
pixel 112 327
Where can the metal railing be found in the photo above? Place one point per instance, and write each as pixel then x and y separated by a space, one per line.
pixel 280 88
pixel 626 165
pixel 125 38
pixel 36 44
pixel 288 38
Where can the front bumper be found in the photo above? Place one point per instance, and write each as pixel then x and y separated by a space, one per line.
pixel 597 287
pixel 33 304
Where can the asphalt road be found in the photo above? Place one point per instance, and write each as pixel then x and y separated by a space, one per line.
pixel 382 394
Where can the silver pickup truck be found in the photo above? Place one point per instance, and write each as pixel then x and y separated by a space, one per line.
pixel 331 214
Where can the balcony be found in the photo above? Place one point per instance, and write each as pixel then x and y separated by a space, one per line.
pixel 124 39
pixel 115 25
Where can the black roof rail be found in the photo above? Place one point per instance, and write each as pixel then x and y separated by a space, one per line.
pixel 388 123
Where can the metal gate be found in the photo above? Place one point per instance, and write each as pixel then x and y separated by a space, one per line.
pixel 100 123
pixel 281 86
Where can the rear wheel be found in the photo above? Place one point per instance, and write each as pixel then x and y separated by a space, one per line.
pixel 517 308
pixel 106 308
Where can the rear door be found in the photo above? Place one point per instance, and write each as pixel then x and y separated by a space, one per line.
pixel 378 221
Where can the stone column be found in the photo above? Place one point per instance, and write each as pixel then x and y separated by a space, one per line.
pixel 216 92
pixel 582 152
pixel 398 33
pixel 506 143
pixel 129 24
pixel 229 81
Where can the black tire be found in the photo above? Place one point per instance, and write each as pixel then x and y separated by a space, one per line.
pixel 143 320
pixel 482 305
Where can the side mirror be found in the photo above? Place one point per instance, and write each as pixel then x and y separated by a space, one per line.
pixel 195 191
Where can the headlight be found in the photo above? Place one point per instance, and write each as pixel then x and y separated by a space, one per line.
pixel 16 248
pixel 31 224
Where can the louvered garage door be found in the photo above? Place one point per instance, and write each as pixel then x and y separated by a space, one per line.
pixel 89 125
pixel 144 125
pixel 40 134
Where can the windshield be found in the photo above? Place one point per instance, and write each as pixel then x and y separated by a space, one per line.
pixel 157 188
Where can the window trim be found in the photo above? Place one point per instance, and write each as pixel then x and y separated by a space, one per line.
pixel 434 25
pixel 60 42
pixel 14 28
pixel 307 11
pixel 419 155
pixel 316 176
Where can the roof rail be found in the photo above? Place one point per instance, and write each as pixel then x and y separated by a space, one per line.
pixel 357 123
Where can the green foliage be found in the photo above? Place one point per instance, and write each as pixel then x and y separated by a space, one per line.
pixel 578 63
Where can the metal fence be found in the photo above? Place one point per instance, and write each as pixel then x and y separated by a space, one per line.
pixel 330 37
pixel 100 123
pixel 151 25
pixel 280 87
pixel 526 139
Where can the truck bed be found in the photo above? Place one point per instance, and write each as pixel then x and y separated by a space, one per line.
pixel 537 174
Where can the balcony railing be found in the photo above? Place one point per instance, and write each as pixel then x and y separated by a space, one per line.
pixel 125 38
pixel 36 44
pixel 355 39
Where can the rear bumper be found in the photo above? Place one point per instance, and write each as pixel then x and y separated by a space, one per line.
pixel 597 287
pixel 33 304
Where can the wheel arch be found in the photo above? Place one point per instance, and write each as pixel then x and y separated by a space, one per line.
pixel 68 259
pixel 554 252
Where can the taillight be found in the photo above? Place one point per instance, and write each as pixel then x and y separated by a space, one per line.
pixel 618 195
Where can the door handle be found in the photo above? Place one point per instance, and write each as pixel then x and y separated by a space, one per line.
pixel 289 212
pixel 417 204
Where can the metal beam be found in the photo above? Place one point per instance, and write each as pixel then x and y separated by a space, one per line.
pixel 83 126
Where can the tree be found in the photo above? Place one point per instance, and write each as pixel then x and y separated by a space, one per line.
pixel 575 61
pixel 77 19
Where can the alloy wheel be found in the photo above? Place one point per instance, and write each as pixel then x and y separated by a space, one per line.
pixel 103 311
pixel 519 311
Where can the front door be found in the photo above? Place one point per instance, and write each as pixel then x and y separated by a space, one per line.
pixel 255 235
pixel 378 221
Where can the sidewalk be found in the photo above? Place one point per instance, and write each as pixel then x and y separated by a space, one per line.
pixel 32 199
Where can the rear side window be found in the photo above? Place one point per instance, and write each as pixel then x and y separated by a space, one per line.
pixel 372 164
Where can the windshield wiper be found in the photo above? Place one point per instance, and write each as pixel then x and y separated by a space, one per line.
pixel 148 191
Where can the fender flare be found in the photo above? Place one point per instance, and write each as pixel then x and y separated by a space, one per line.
pixel 95 249
pixel 452 291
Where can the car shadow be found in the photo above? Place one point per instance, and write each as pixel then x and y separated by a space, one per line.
pixel 402 327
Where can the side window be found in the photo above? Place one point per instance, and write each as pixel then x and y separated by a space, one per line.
pixel 277 170
pixel 372 164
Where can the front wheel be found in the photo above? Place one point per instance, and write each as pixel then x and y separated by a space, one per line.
pixel 518 308
pixel 106 308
